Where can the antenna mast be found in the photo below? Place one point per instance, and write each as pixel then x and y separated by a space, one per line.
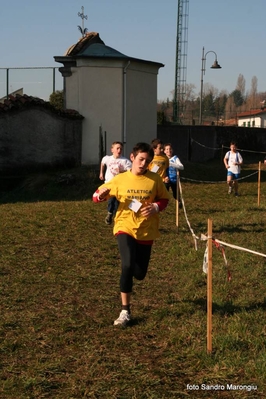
pixel 181 60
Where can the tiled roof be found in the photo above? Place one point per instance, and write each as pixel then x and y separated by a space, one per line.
pixel 230 122
pixel 252 112
pixel 88 39
pixel 101 50
pixel 20 102
pixel 92 46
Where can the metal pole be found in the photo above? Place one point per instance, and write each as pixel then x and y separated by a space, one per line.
pixel 7 82
pixel 53 79
pixel 203 66
pixel 201 86
pixel 82 22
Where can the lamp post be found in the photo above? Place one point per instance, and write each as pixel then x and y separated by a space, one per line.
pixel 203 67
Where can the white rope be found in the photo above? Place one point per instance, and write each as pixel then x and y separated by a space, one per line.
pixel 213 182
pixel 185 213
pixel 202 145
pixel 216 149
pixel 204 238
pixel 240 248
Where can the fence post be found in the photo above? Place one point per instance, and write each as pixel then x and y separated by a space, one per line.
pixel 259 184
pixel 209 289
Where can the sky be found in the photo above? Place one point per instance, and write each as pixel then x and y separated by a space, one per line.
pixel 34 31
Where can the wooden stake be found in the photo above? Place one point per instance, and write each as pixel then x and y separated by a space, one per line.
pixel 259 184
pixel 209 289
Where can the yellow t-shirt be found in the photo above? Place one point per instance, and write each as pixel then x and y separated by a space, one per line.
pixel 162 163
pixel 144 188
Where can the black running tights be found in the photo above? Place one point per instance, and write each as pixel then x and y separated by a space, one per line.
pixel 135 259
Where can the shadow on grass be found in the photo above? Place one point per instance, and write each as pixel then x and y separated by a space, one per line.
pixel 233 228
pixel 227 308
pixel 243 228
pixel 60 185
pixel 136 321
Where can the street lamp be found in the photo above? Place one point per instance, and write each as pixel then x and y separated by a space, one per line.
pixel 203 65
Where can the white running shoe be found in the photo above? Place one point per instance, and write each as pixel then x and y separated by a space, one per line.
pixel 123 319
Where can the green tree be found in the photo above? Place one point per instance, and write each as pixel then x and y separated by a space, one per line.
pixel 160 118
pixel 237 97
pixel 220 103
pixel 57 99
pixel 208 105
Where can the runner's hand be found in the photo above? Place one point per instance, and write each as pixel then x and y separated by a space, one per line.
pixel 103 192
pixel 149 209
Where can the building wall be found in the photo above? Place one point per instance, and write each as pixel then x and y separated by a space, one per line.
pixel 98 97
pixel 258 121
pixel 141 104
pixel 119 97
pixel 72 90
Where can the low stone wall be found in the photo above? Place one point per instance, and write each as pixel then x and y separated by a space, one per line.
pixel 36 138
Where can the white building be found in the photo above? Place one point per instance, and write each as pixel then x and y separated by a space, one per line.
pixel 252 118
pixel 111 91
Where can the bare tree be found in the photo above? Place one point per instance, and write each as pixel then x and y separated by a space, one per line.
pixel 230 108
pixel 254 91
pixel 189 92
pixel 253 98
pixel 241 85
pixel 210 89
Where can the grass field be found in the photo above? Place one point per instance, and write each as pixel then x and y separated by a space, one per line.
pixel 60 267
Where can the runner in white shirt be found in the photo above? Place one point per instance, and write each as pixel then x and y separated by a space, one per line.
pixel 112 165
pixel 233 161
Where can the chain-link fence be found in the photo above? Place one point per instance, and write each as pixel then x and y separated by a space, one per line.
pixel 33 81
